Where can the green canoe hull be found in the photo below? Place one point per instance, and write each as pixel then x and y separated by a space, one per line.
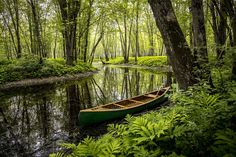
pixel 88 118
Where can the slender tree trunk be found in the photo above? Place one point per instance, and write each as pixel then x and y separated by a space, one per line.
pixel 200 43
pixel 126 57
pixel 13 9
pixel 218 10
pixel 16 8
pixel 55 46
pixel 11 34
pixel 37 33
pixel 137 32
pixel 179 52
pixel 87 30
pixel 95 46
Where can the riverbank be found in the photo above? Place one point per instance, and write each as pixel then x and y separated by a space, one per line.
pixel 144 68
pixel 43 81
pixel 197 123
pixel 30 71
pixel 146 61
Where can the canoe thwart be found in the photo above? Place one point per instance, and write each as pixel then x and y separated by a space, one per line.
pixel 128 103
pixel 143 98
pixel 113 106
pixel 140 102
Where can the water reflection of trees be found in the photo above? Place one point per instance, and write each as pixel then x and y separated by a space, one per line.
pixel 33 118
pixel 123 83
pixel 73 101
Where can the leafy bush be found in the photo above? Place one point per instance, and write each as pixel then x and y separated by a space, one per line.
pixel 5 62
pixel 32 68
pixel 150 61
pixel 194 126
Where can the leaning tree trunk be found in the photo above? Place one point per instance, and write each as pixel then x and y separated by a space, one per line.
pixel 180 54
pixel 16 8
pixel 200 42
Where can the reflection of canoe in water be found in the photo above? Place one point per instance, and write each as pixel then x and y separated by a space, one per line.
pixel 122 108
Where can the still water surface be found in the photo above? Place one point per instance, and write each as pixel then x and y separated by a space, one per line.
pixel 34 120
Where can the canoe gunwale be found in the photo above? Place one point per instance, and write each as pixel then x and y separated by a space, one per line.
pixel 100 109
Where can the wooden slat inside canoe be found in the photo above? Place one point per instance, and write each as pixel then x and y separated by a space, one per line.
pixel 136 101
pixel 128 103
pixel 151 95
pixel 120 105
pixel 112 106
pixel 143 98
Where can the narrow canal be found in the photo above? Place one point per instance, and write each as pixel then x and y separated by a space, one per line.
pixel 34 120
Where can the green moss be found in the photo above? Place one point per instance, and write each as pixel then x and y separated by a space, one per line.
pixel 28 68
pixel 150 61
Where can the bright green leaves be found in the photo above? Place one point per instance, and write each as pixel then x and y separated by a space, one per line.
pixel 150 61
pixel 29 68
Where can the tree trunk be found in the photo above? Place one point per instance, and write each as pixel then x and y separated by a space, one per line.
pixel 69 12
pixel 36 30
pixel 55 46
pixel 87 30
pixel 16 8
pixel 137 33
pixel 219 28
pixel 179 52
pixel 200 43
pixel 231 10
pixel 95 46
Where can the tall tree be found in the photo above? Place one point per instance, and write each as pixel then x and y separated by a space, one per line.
pixel 231 10
pixel 200 42
pixel 137 31
pixel 69 12
pixel 12 7
pixel 179 53
pixel 219 25
pixel 38 45
pixel 88 21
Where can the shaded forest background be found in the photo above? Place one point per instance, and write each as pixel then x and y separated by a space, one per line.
pixel 188 32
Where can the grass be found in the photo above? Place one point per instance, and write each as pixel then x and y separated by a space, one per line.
pixel 150 61
pixel 29 68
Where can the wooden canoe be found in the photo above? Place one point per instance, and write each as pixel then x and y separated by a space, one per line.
pixel 122 108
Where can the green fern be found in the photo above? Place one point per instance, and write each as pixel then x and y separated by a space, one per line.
pixel 225 144
pixel 116 129
pixel 208 100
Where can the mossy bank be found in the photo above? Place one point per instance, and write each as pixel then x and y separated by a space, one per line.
pixel 31 68
pixel 149 61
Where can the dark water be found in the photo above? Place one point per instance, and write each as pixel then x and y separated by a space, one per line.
pixel 34 120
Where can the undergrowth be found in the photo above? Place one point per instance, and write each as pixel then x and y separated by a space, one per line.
pixel 150 61
pixel 201 123
pixel 27 68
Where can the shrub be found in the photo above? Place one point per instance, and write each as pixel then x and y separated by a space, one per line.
pixel 31 68
pixel 150 61
pixel 192 127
